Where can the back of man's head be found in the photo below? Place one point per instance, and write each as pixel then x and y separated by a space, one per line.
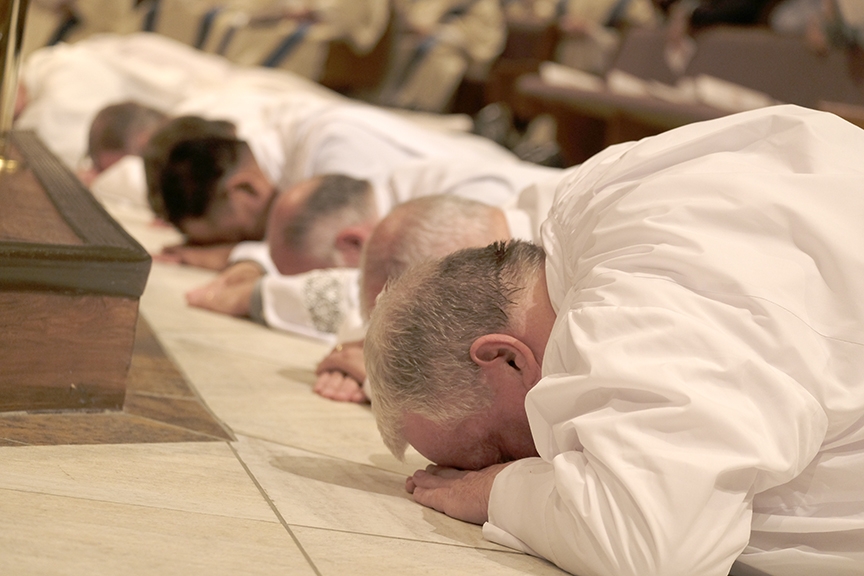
pixel 121 129
pixel 185 161
pixel 303 235
pixel 423 325
pixel 422 229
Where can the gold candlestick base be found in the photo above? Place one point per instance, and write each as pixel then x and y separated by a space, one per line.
pixel 8 163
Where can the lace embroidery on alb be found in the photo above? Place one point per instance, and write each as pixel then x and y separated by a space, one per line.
pixel 321 297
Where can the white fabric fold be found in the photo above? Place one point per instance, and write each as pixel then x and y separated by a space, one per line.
pixel 702 398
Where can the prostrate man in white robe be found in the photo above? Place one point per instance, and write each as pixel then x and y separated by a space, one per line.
pixel 313 227
pixel 326 222
pixel 418 230
pixel 66 85
pixel 119 130
pixel 283 140
pixel 676 384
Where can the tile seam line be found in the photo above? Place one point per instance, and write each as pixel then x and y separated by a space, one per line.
pixel 133 504
pixel 205 436
pixel 317 453
pixel 275 511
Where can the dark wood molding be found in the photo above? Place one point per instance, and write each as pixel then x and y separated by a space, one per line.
pixel 76 268
pixel 70 281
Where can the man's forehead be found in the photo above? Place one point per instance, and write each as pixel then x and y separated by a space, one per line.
pixel 461 445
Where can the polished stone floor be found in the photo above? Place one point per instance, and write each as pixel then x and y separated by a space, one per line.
pixel 223 461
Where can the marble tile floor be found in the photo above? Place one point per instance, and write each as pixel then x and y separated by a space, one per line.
pixel 256 475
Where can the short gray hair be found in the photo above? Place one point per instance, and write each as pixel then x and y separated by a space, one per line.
pixel 421 229
pixel 421 331
pixel 337 201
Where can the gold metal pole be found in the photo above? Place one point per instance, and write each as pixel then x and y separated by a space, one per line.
pixel 13 14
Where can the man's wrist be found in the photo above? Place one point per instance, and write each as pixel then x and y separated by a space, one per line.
pixel 256 304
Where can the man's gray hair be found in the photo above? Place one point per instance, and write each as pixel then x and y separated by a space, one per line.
pixel 418 230
pixel 337 201
pixel 420 333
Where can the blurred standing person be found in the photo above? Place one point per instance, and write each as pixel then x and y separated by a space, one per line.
pixel 53 21
pixel 437 43
pixel 295 35
pixel 837 23
pixel 591 30
pixel 530 11
pixel 684 18
pixel 191 21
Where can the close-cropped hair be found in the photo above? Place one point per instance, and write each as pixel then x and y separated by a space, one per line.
pixel 219 134
pixel 420 333
pixel 421 229
pixel 118 127
pixel 336 195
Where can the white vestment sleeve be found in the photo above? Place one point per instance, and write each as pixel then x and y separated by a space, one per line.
pixel 701 399
pixel 498 536
pixel 638 436
pixel 312 304
pixel 66 87
pixel 252 251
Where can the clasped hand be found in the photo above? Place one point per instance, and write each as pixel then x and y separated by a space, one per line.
pixel 230 292
pixel 460 494
pixel 340 375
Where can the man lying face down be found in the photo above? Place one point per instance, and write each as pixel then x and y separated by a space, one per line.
pixel 318 225
pixel 321 223
pixel 208 184
pixel 674 384
pixel 499 332
pixel 119 130
pixel 325 222
pixel 420 229
pixel 431 227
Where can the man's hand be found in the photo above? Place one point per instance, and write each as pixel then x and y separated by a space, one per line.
pixel 212 257
pixel 461 494
pixel 338 386
pixel 346 358
pixel 341 373
pixel 230 292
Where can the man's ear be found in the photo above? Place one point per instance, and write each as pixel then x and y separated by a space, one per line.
pixel 349 243
pixel 503 357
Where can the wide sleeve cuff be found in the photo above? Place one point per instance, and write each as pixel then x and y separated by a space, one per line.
pixel 523 486
pixel 313 304
pixel 257 252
